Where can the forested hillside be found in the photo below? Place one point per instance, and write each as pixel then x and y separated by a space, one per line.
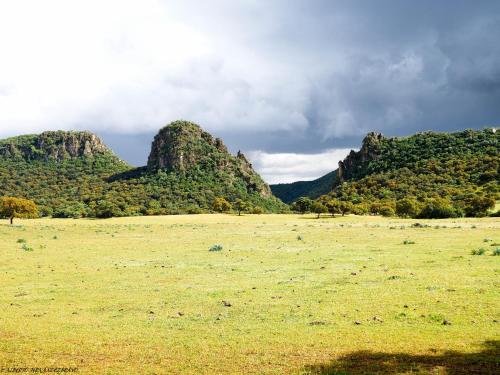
pixel 457 173
pixel 73 174
pixel 312 189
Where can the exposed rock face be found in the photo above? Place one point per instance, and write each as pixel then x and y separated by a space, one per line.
pixel 356 162
pixel 53 145
pixel 183 146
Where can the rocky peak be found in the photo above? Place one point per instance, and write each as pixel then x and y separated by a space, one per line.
pixel 182 146
pixel 356 161
pixel 54 145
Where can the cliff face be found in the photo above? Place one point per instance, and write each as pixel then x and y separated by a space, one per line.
pixel 356 162
pixel 53 145
pixel 183 146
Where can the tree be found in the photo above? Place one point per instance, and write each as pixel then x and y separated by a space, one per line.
pixel 221 205
pixel 11 207
pixel 106 209
pixel 302 205
pixel 318 208
pixel 407 207
pixel 386 210
pixel 240 205
pixel 333 206
pixel 438 208
pixel 345 207
pixel 478 205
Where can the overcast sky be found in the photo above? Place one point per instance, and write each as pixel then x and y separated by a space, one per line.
pixel 293 84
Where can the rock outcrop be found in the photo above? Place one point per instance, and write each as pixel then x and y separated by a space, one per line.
pixel 184 147
pixel 356 162
pixel 53 145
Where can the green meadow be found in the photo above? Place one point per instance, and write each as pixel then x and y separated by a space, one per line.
pixel 285 294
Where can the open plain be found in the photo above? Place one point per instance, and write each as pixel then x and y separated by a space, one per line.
pixel 286 294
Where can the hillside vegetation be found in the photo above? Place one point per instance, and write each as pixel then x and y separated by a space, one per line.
pixel 73 174
pixel 451 170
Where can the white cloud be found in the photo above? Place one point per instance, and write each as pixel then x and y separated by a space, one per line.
pixel 132 66
pixel 310 71
pixel 291 167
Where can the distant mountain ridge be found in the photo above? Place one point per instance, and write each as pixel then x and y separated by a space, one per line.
pixel 74 174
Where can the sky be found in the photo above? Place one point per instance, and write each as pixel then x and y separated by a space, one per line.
pixel 294 84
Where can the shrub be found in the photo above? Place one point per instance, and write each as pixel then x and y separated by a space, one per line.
pixel 221 205
pixel 406 207
pixel 480 251
pixel 496 252
pixel 106 209
pixel 386 211
pixel 216 248
pixel 478 205
pixel 408 242
pixel 257 210
pixel 25 247
pixel 438 209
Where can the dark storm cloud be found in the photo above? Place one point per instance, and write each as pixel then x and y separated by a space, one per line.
pixel 276 76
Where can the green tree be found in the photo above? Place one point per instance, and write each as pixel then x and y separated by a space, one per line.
pixel 106 209
pixel 407 207
pixel 345 207
pixel 438 208
pixel 221 205
pixel 318 208
pixel 386 210
pixel 478 205
pixel 333 206
pixel 240 206
pixel 11 207
pixel 302 205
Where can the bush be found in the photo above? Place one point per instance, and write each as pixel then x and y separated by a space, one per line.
pixel 221 205
pixel 216 248
pixel 439 209
pixel 407 207
pixel 73 211
pixel 480 251
pixel 105 209
pixel 478 205
pixel 386 211
pixel 408 242
pixel 194 210
pixel 25 247
pixel 257 210
pixel 496 252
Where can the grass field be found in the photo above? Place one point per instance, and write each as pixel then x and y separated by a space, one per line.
pixel 287 294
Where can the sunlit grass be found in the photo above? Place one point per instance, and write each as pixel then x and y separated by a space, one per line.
pixel 285 293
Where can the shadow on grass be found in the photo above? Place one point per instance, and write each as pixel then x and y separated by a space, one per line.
pixel 486 361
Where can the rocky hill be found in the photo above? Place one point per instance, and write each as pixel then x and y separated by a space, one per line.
pixel 184 147
pixel 423 165
pixel 73 174
pixel 53 145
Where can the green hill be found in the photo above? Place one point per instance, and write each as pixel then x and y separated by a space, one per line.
pixel 312 189
pixel 72 174
pixel 451 167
